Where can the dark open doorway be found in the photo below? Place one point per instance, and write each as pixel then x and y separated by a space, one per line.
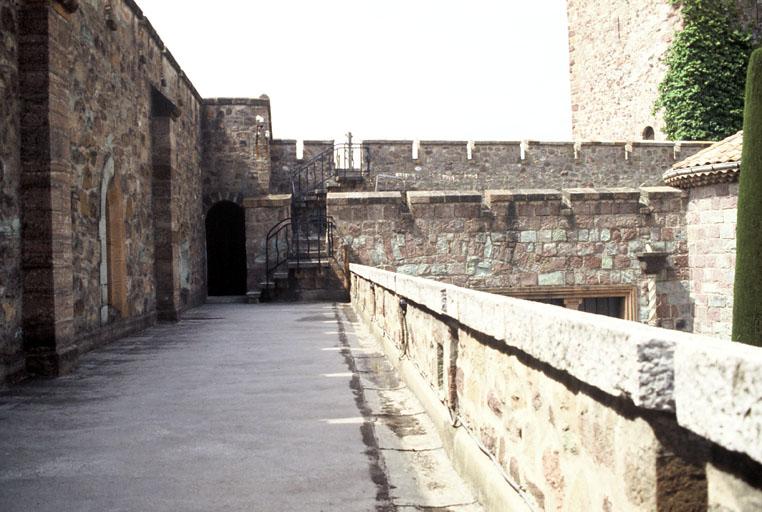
pixel 226 249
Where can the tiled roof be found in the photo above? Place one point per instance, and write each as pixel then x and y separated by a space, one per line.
pixel 727 150
pixel 718 163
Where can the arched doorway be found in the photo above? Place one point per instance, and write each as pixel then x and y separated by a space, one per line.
pixel 226 249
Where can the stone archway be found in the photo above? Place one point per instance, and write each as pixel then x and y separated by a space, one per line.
pixel 226 249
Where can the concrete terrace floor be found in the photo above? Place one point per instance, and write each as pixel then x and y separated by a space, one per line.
pixel 281 407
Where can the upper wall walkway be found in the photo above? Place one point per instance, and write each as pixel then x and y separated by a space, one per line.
pixel 236 407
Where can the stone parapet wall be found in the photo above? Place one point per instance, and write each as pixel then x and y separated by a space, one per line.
pixel 511 241
pixel 578 411
pixel 481 165
pixel 711 229
pixel 529 164
pixel 285 160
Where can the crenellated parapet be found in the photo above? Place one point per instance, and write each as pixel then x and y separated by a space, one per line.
pixel 482 165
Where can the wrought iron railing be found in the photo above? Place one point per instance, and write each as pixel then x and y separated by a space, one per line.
pixel 351 160
pixel 277 247
pixel 295 241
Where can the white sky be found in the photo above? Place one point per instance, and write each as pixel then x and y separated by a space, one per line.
pixel 391 69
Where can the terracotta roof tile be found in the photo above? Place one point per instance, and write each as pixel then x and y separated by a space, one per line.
pixel 725 151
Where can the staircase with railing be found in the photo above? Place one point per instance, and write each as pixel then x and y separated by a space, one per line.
pixel 300 250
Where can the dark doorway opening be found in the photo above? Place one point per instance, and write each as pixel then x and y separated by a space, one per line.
pixel 226 249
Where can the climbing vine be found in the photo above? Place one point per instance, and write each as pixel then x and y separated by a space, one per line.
pixel 702 91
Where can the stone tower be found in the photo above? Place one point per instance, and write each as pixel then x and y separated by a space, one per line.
pixel 615 63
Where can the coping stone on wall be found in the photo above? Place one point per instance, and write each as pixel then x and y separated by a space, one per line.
pixel 454 196
pixel 649 194
pixel 524 194
pixel 587 194
pixel 268 201
pixel 350 198
pixel 718 391
pixel 624 359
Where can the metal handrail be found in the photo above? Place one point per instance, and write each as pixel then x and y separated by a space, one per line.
pixel 280 233
pixel 341 160
pixel 295 235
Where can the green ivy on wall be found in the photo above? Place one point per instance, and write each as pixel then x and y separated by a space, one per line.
pixel 702 91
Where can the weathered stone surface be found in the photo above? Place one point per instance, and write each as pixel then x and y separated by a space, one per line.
pixel 90 92
pixel 638 359
pixel 349 198
pixel 718 393
pixel 444 165
pixel 236 148
pixel 729 493
pixel 616 59
pixel 528 238
pixel 514 393
pixel 11 361
pixel 711 235
pixel 262 214
pixel 284 160
pixel 600 110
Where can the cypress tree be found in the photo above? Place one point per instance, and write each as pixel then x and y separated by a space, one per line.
pixel 747 295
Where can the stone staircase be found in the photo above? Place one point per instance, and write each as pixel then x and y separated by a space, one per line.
pixel 301 254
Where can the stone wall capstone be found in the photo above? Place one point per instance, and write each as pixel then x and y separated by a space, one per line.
pixel 659 420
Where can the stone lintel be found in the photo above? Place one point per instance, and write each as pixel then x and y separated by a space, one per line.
pixel 268 201
pixel 434 197
pixel 353 198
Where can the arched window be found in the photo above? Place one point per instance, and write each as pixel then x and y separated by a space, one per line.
pixel 648 133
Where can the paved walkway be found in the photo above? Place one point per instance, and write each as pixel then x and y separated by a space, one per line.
pixel 258 408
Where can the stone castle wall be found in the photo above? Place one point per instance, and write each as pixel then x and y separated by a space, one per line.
pixel 110 75
pixel 284 161
pixel 93 83
pixel 11 360
pixel 447 165
pixel 711 227
pixel 508 241
pixel 236 142
pixel 615 51
pixel 575 411
pixel 615 61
